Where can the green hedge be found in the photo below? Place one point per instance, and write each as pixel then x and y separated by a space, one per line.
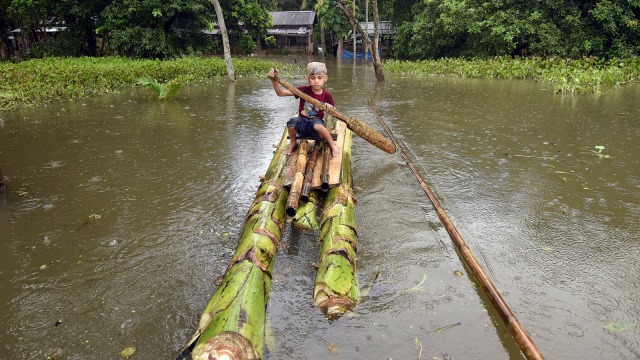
pixel 589 75
pixel 43 80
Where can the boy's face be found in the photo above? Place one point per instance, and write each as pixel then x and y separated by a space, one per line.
pixel 317 81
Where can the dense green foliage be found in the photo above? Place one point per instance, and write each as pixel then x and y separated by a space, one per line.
pixel 142 29
pixel 40 81
pixel 450 28
pixel 589 75
pixel 154 28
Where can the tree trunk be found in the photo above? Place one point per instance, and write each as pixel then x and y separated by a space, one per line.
pixel 225 40
pixel 340 46
pixel 323 40
pixel 365 48
pixel 233 322
pixel 354 36
pixel 336 289
pixel 377 66
pixel 377 63
pixel 90 37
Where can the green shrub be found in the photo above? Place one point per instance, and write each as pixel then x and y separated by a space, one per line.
pixel 42 80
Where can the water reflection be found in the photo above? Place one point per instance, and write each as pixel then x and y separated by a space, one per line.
pixel 554 225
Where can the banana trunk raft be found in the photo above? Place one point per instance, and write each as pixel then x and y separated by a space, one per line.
pixel 232 326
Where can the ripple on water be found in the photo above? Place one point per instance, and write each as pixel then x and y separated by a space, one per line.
pixel 603 306
pixel 35 313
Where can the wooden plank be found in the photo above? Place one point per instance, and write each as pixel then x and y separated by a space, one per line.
pixel 290 168
pixel 335 163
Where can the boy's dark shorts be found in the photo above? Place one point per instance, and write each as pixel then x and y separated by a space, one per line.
pixel 304 126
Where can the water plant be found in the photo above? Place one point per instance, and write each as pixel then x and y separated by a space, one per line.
pixel 599 153
pixel 587 75
pixel 166 90
pixel 43 80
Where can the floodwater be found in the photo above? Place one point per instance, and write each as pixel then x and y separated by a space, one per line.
pixel 122 210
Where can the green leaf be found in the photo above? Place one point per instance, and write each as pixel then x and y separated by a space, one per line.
pixel 128 352
pixel 619 326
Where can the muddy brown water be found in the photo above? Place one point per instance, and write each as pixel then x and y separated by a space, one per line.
pixel 168 184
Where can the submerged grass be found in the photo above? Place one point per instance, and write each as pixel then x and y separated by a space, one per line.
pixel 43 80
pixel 588 75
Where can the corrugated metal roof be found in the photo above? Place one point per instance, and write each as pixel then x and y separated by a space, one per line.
pixel 302 31
pixel 293 18
pixel 384 28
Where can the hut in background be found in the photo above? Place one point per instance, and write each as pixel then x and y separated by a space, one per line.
pixel 293 31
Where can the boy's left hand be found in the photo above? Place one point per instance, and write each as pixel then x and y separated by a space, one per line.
pixel 272 73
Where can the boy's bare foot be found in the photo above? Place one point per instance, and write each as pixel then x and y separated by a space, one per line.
pixel 335 151
pixel 290 149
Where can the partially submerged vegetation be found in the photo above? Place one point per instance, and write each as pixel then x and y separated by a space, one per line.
pixel 589 75
pixel 43 80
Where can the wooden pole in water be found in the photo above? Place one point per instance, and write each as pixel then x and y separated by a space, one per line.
pixel 356 125
pixel 520 335
pixel 298 179
pixel 308 176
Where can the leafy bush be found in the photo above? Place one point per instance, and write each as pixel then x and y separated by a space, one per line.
pixel 43 80
pixel 588 75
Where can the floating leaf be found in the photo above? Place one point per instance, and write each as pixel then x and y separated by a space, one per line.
pixel 128 352
pixel 458 273
pixel 333 349
pixel 547 249
pixel 619 326
pixel 94 217
pixel 43 267
pixel 599 147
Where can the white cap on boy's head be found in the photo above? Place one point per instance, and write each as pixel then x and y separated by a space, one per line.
pixel 316 68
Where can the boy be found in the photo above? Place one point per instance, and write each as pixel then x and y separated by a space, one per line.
pixel 309 120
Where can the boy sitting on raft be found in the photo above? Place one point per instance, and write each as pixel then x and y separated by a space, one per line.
pixel 309 121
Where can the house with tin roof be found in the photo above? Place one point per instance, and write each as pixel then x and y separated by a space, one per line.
pixel 293 31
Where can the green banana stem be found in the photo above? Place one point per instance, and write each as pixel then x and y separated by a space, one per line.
pixel 233 323
pixel 336 290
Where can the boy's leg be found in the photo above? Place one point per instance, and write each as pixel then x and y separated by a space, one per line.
pixel 293 133
pixel 292 141
pixel 326 135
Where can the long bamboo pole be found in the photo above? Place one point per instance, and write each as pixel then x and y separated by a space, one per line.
pixel 326 157
pixel 298 179
pixel 356 125
pixel 520 335
pixel 308 176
